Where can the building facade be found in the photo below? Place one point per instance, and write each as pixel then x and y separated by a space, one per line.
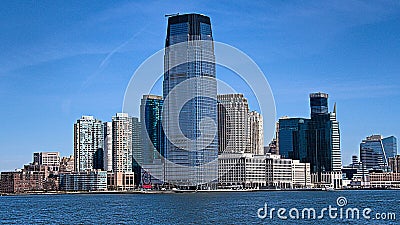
pixel 233 123
pixel 95 180
pixel 108 146
pixel 88 143
pixel 394 164
pixel 375 151
pixel 50 159
pixel 152 130
pixel 316 140
pixel 122 150
pixel 237 170
pixel 256 133
pixel 189 93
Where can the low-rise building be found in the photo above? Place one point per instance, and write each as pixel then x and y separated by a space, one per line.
pixel 237 170
pixel 32 178
pixel 384 180
pixel 94 180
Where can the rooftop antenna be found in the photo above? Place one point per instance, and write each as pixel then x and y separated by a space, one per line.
pixel 169 15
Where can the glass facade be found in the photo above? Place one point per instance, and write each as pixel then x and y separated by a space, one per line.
pixel 316 140
pixel 152 131
pixel 189 162
pixel 375 151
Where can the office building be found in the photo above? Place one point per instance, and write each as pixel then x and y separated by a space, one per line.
pixel 245 170
pixel 233 123
pixel 256 133
pixel 88 143
pixel 375 151
pixel 288 131
pixel 316 140
pixel 153 135
pixel 137 147
pixel 189 93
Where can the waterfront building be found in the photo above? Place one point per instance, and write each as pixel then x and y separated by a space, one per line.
pixel 256 133
pixel 233 123
pixel 244 170
pixel 32 178
pixel 88 143
pixel 375 151
pixel 355 175
pixel 330 179
pixel 316 140
pixel 136 148
pixel 95 180
pixel 108 146
pixel 152 130
pixel 50 159
pixel 122 134
pixel 152 152
pixel 190 63
pixel 288 132
pixel 384 180
pixel 394 164
pixel 301 174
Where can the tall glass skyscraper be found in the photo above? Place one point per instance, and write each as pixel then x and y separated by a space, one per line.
pixel 316 140
pixel 152 131
pixel 191 149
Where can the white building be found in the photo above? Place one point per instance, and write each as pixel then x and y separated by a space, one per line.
pixel 301 174
pixel 88 142
pixel 261 171
pixel 256 133
pixel 233 132
pixel 122 151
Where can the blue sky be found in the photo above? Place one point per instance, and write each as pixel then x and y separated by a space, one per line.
pixel 62 59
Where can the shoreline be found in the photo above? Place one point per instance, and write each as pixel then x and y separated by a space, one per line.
pixel 135 192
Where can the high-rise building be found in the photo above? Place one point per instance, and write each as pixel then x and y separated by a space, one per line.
pixel 323 136
pixel 190 106
pixel 108 146
pixel 256 133
pixel 88 142
pixel 136 148
pixel 152 131
pixel 288 129
pixel 316 140
pixel 233 123
pixel 375 151
pixel 122 151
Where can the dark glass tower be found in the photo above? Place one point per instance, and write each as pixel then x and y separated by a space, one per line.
pixel 153 135
pixel 316 140
pixel 189 60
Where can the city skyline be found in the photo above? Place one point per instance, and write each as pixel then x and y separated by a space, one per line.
pixel 47 78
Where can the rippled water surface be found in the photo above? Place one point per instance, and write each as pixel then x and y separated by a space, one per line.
pixel 192 208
